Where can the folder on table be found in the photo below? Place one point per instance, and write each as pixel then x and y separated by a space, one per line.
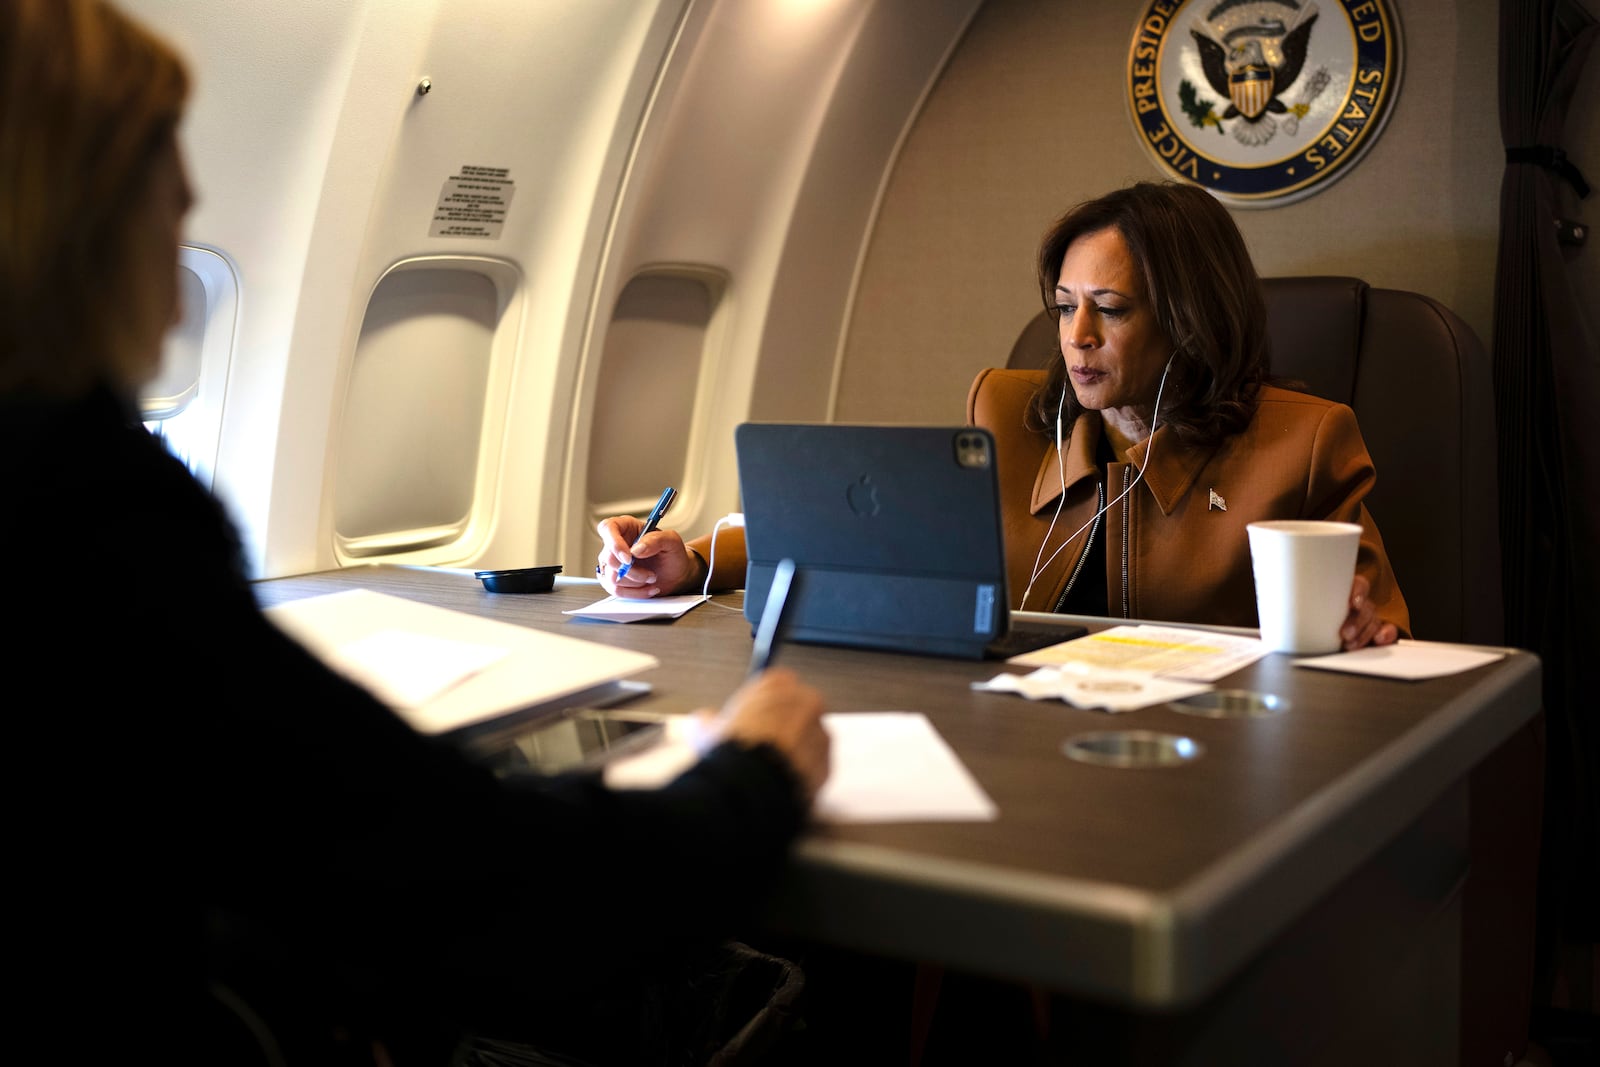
pixel 445 671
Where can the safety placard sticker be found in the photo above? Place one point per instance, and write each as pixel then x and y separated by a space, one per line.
pixel 474 203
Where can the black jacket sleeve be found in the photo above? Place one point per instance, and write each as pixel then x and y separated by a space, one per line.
pixel 189 770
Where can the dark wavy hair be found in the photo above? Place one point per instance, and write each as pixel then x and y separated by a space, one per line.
pixel 1201 287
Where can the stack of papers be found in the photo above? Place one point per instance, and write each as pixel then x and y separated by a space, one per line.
pixel 1169 651
pixel 1129 667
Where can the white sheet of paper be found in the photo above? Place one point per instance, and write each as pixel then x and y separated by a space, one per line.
pixel 1094 687
pixel 1406 659
pixel 1170 651
pixel 621 609
pixel 892 766
pixel 888 766
pixel 406 669
pixel 536 667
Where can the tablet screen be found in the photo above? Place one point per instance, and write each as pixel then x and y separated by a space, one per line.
pixel 585 738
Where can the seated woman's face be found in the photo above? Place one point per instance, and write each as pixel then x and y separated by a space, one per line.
pixel 1113 348
pixel 151 273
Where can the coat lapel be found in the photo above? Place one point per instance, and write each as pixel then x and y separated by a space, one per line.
pixel 1078 456
pixel 1173 470
pixel 1171 475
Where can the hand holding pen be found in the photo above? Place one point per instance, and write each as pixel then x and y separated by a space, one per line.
pixel 667 496
pixel 629 567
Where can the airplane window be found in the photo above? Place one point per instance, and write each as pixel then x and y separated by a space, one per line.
pixel 170 432
pixel 183 405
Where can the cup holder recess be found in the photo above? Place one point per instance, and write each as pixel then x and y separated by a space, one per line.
pixel 1133 748
pixel 1231 704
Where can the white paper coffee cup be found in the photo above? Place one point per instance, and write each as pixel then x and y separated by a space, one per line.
pixel 1303 572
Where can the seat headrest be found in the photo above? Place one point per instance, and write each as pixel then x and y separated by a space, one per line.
pixel 1314 327
pixel 1313 324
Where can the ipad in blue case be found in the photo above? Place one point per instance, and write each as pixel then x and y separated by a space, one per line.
pixel 895 534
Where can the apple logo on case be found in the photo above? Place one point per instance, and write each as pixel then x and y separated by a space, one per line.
pixel 862 496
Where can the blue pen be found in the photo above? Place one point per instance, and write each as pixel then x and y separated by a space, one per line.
pixel 659 510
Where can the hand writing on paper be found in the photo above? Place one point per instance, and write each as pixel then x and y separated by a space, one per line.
pixel 662 564
pixel 778 709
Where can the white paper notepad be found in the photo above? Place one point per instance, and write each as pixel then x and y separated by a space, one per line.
pixel 892 766
pixel 884 766
pixel 625 609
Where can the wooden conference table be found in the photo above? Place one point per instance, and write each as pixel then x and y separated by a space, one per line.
pixel 1295 889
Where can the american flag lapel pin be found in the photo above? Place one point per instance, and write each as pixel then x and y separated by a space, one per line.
pixel 1217 503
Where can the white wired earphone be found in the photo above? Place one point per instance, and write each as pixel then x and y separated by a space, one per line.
pixel 733 518
pixel 1061 468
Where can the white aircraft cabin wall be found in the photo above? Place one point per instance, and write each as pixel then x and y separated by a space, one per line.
pixel 392 394
pixel 268 87
pixel 727 282
pixel 692 188
pixel 447 443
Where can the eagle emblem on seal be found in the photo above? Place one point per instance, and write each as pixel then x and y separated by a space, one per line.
pixel 1251 51
pixel 1261 101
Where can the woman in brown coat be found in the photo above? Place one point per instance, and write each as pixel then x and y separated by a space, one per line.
pixel 1141 456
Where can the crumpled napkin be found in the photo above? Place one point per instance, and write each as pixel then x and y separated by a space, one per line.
pixel 1094 687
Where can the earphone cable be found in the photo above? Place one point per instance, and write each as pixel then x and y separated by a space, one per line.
pixel 1155 422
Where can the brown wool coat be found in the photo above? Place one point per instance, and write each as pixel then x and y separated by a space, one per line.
pixel 1172 552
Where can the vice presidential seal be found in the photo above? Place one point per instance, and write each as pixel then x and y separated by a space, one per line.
pixel 1262 101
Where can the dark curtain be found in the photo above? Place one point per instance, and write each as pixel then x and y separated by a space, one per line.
pixel 1547 382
